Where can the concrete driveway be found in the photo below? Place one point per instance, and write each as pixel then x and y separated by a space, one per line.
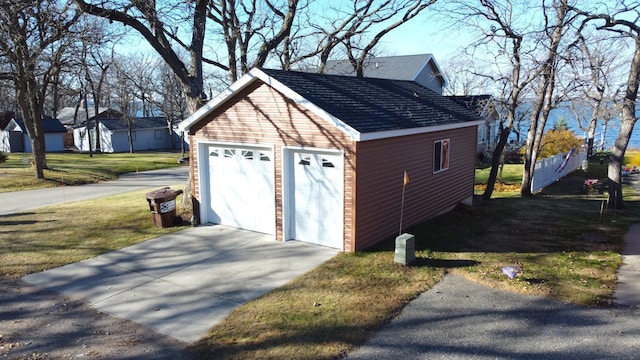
pixel 183 283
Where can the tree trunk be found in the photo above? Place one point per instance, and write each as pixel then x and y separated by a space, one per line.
pixel 616 159
pixel 495 162
pixel 627 121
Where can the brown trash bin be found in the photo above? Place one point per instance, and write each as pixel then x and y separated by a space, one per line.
pixel 162 203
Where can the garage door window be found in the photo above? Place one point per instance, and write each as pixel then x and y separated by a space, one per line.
pixel 305 160
pixel 327 163
pixel 247 154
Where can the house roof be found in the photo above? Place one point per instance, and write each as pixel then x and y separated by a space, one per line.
pixel 115 124
pixel 364 108
pixel 402 67
pixel 67 115
pixel 49 125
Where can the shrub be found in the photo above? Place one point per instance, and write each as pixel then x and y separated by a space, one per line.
pixel 3 157
pixel 632 158
pixel 559 141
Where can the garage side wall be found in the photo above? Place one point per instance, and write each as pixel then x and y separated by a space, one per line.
pixel 259 115
pixel 380 180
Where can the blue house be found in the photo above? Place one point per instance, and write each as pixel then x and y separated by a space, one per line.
pixel 14 137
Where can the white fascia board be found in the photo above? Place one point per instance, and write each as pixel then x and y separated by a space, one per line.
pixel 414 131
pixel 214 103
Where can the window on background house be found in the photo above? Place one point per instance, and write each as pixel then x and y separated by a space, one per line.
pixel 440 155
pixel 158 134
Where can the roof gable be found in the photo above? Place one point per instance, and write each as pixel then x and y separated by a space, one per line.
pixel 364 108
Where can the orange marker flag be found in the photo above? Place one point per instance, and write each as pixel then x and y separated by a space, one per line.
pixel 406 179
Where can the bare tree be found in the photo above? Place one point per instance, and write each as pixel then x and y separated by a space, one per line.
pixel 502 36
pixel 142 71
pixel 163 27
pixel 624 20
pixel 355 30
pixel 124 97
pixel 171 101
pixel 557 19
pixel 463 77
pixel 33 39
pixel 263 25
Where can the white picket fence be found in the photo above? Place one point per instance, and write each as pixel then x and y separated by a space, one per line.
pixel 548 170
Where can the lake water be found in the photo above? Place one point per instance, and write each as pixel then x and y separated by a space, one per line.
pixel 613 127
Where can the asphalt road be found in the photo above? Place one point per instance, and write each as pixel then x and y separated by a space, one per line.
pixel 460 319
pixel 20 201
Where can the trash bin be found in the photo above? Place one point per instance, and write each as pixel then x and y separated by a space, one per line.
pixel 162 203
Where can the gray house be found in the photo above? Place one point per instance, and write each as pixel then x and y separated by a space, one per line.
pixel 148 133
pixel 421 68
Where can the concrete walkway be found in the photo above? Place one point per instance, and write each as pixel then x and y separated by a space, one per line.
pixel 14 202
pixel 627 291
pixel 183 283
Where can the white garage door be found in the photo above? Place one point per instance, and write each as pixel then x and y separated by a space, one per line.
pixel 241 187
pixel 317 198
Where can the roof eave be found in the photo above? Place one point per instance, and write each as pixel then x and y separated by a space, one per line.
pixel 415 131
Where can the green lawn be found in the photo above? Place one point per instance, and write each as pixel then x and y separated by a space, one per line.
pixel 75 168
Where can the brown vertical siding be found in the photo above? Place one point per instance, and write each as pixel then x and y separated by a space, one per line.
pixel 380 166
pixel 259 115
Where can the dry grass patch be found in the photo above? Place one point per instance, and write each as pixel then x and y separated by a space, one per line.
pixel 322 314
pixel 58 235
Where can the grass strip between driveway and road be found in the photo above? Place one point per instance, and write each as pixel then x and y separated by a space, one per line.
pixel 565 246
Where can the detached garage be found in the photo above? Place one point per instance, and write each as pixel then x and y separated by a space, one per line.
pixel 320 158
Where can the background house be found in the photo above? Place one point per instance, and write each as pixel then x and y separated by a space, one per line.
pixel 320 158
pixel 10 141
pixel 148 133
pixel 489 131
pixel 14 137
pixel 421 68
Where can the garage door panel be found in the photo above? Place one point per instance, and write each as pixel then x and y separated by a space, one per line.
pixel 242 188
pixel 317 206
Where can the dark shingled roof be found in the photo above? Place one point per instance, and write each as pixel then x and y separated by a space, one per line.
pixel 373 105
pixel 49 125
pixel 115 124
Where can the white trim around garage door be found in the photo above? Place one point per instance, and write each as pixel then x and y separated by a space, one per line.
pixel 313 187
pixel 237 185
